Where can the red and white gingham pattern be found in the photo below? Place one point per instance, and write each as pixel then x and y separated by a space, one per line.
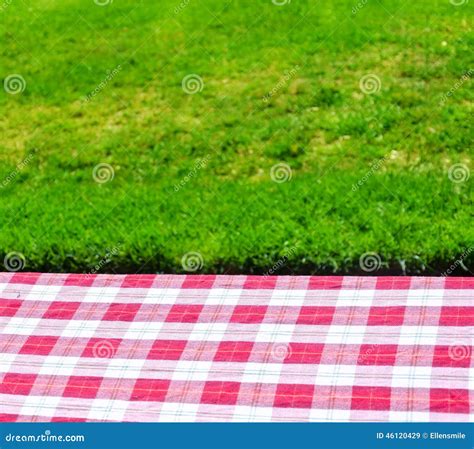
pixel 235 348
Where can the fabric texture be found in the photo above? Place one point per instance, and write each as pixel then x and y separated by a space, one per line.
pixel 167 348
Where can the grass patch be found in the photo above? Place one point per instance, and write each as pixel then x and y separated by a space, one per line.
pixel 371 168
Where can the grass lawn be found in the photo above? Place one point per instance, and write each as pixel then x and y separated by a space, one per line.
pixel 303 136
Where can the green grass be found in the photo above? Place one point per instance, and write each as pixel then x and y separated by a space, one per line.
pixel 399 142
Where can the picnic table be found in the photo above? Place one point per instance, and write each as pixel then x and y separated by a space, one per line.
pixel 149 348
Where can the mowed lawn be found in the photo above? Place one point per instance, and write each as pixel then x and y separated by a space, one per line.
pixel 309 134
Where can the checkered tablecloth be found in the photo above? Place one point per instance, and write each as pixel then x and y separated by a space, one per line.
pixel 235 348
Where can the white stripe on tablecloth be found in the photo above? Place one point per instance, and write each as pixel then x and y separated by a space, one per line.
pixel 144 411
pixel 249 372
pixel 212 331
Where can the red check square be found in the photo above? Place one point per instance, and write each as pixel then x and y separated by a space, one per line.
pixel 167 349
pixel 449 400
pixel 199 281
pixel 15 383
pixel 224 393
pixel 456 283
pixel 25 278
pixel 40 345
pixel 7 417
pixel 371 398
pixel 80 280
pixel 233 351
pixel 85 387
pixel 456 355
pixel 294 396
pixel 260 282
pixel 325 282
pixel 150 390
pixel 138 281
pixel 61 310
pixel 121 312
pixel 456 316
pixel 386 316
pixel 315 315
pixel 184 313
pixel 248 314
pixel 9 307
pixel 390 283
